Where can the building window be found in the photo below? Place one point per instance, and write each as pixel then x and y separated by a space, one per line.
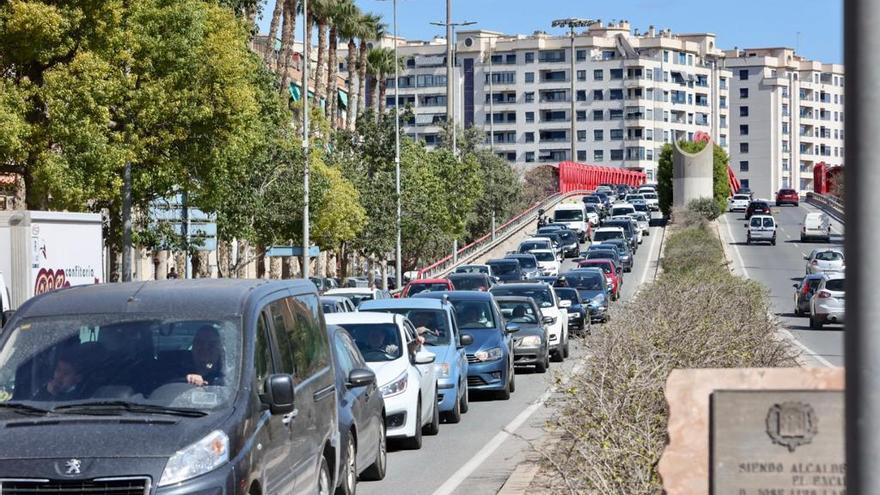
pixel 616 134
pixel 529 97
pixel 582 95
pixel 722 140
pixel 722 83
pixel 510 58
pixel 743 74
pixel 722 121
pixel 582 135
pixel 744 166
pixel 616 73
pixel 743 92
pixel 530 156
pixel 743 147
pixel 598 155
pixel 581 55
pixel 598 115
pixel 615 94
pixel 582 75
pixel 598 74
pixel 530 137
pixel 744 184
pixel 616 155
pixel 743 111
pixel 530 77
pixel 530 116
pixel 582 155
pixel 598 95
pixel 615 114
pixel 743 130
pixel 598 134
pixel 530 57
pixel 511 156
pixel 581 115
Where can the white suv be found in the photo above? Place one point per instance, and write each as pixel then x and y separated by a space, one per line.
pixel 761 228
pixel 827 304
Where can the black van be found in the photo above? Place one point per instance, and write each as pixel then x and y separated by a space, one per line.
pixel 169 387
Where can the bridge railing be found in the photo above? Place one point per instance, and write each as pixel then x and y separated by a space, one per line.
pixel 831 204
pixel 481 246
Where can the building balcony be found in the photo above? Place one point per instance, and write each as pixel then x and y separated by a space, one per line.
pixel 636 82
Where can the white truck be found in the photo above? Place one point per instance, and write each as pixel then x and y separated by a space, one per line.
pixel 45 250
pixel 574 216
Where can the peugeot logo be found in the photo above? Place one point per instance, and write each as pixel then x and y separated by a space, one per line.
pixel 73 466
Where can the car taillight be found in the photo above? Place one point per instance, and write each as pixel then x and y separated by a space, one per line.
pixel 823 294
pixel 806 289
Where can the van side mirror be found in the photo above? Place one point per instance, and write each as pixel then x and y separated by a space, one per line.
pixel 547 320
pixel 466 340
pixel 424 357
pixel 565 303
pixel 280 392
pixel 360 378
pixel 511 328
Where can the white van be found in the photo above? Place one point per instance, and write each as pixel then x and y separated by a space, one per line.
pixel 574 216
pixel 621 209
pixel 816 225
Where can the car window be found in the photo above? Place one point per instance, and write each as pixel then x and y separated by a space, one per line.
pixel 433 321
pixel 432 287
pixel 604 235
pixel 528 246
pixel 542 295
pixel 473 314
pixel 504 268
pixel 829 256
pixel 343 358
pixel 262 354
pixel 527 262
pixel 593 281
pixel 768 222
pixel 377 342
pixel 814 282
pixel 545 256
pixel 836 284
pixel 472 269
pixel 606 267
pixel 518 312
pixel 755 222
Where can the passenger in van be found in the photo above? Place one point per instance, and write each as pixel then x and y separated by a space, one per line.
pixel 377 341
pixel 67 379
pixel 207 358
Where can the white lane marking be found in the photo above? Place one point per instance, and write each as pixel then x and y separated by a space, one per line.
pixel 480 457
pixel 807 350
pixel 732 243
pixel 647 267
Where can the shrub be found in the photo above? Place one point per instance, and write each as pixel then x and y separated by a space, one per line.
pixel 706 207
pixel 611 417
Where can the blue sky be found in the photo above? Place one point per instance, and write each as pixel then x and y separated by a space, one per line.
pixel 742 23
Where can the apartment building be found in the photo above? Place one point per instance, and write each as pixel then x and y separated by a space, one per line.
pixel 787 116
pixel 633 92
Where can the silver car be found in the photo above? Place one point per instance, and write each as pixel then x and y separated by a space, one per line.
pixel 643 221
pixel 827 304
pixel 825 260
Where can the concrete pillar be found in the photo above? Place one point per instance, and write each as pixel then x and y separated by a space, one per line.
pixel 691 175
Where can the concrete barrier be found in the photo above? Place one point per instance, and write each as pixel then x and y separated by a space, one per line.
pixel 692 175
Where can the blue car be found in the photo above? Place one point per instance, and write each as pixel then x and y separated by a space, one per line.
pixel 593 289
pixel 490 354
pixel 436 322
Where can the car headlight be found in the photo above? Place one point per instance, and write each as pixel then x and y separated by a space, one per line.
pixel 204 456
pixel 396 386
pixel 442 370
pixel 492 354
pixel 573 314
pixel 530 341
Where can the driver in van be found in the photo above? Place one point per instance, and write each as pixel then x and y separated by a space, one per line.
pixel 377 341
pixel 207 358
pixel 66 382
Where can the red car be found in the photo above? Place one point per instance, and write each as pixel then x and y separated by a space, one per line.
pixel 612 272
pixel 426 285
pixel 787 196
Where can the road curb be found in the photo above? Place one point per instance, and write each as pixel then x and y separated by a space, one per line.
pixel 521 479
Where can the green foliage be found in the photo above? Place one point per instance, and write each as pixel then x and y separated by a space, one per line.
pixel 705 207
pixel 664 179
pixel 720 186
pixel 540 182
pixel 690 249
pixel 502 193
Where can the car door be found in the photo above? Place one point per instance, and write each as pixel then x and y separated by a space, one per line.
pixel 461 354
pixel 426 371
pixel 367 400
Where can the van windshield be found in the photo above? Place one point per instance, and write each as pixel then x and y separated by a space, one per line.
pixel 605 235
pixel 568 215
pixel 178 363
pixel 377 341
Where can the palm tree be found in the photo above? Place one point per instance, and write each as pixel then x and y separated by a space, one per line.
pixel 273 30
pixel 381 62
pixel 348 23
pixel 343 12
pixel 322 13
pixel 374 30
pixel 289 12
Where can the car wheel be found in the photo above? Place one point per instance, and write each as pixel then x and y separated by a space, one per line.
pixel 565 349
pixel 797 311
pixel 349 475
pixel 797 204
pixel 815 324
pixel 376 471
pixel 511 385
pixel 415 442
pixel 556 356
pixel 503 394
pixel 541 366
pixel 465 400
pixel 802 238
pixel 433 427
pixel 324 477
pixel 748 240
pixel 453 416
pixel 773 242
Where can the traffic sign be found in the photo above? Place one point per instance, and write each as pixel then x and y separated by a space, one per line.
pixel 292 251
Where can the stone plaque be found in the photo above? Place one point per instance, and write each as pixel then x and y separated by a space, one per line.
pixel 777 442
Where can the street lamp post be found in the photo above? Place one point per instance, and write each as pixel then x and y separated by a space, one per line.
pixel 572 23
pixel 305 140
pixel 450 57
pixel 491 107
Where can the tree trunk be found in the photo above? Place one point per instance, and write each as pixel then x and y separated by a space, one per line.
pixel 353 99
pixel 383 90
pixel 275 267
pixel 320 83
pixel 19 201
pixel 289 16
pixel 200 266
pixel 332 69
pixel 162 265
pixel 362 78
pixel 269 52
pixel 309 25
pixel 374 104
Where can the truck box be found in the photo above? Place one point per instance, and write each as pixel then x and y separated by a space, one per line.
pixel 45 250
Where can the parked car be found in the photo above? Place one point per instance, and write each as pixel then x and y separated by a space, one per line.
pixel 426 284
pixel 358 294
pixel 475 269
pixel 470 281
pixel 550 305
pixel 531 343
pixel 816 225
pixel 507 270
pixel 490 355
pixel 184 386
pixel 612 273
pixel 361 415
pixel 624 253
pixel 761 228
pixel 337 304
pixel 757 208
pixel 548 263
pixel 529 264
pixel 592 285
pixel 405 372
pixel 827 305
pixel 787 196
pixel 324 283
pixel 825 260
pixel 803 292
pixel 578 312
pixel 435 320
pixel 738 202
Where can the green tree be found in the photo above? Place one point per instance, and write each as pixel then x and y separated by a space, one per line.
pixel 664 179
pixel 502 193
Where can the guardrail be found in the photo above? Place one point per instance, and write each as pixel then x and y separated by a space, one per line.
pixel 829 203
pixel 484 244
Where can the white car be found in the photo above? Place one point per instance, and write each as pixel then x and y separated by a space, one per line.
pixel 827 304
pixel 644 222
pixel 635 197
pixel 816 225
pixel 404 372
pixel 475 269
pixel 358 294
pixel 593 216
pixel 574 216
pixel 647 189
pixel 761 228
pixel 532 243
pixel 623 209
pixel 641 228
pixel 607 233
pixel 653 200
pixel 739 202
pixel 548 263
pixel 825 260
